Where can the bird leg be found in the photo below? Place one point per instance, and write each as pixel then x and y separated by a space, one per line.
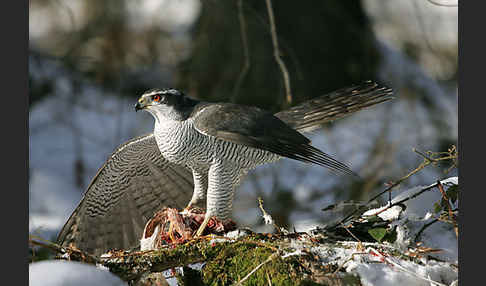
pixel 200 187
pixel 203 225
pixel 220 193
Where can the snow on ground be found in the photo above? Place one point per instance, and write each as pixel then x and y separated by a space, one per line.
pixel 418 212
pixel 70 273
pixel 398 263
pixel 401 272
pixel 378 263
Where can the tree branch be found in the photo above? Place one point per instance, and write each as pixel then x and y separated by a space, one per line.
pixel 276 52
pixel 440 4
pixel 246 52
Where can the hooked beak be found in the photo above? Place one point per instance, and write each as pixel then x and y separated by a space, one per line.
pixel 140 104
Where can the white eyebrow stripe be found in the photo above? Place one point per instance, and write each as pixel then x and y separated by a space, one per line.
pixel 154 92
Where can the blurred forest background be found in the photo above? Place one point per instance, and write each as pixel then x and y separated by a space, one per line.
pixel 90 60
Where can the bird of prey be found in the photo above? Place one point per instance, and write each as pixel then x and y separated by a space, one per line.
pixel 221 142
pixel 138 179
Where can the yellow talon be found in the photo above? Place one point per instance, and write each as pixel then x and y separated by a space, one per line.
pixel 203 226
pixel 171 233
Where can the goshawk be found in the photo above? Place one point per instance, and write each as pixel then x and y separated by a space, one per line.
pixel 198 148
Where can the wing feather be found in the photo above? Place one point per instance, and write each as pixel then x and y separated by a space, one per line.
pixel 132 184
pixel 257 128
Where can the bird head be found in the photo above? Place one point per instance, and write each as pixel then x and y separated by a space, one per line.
pixel 166 103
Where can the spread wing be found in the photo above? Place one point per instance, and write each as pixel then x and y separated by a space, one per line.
pixel 257 128
pixel 133 183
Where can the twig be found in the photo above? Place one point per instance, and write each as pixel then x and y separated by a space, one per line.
pixel 257 243
pixel 45 245
pixel 246 52
pixel 290 52
pixel 276 52
pixel 424 155
pixel 359 246
pixel 375 252
pixel 267 217
pixel 451 155
pixel 405 199
pixel 74 253
pixel 369 201
pixel 419 233
pixel 446 199
pixel 357 239
pixel 342 264
pixel 440 4
pixel 451 215
pixel 270 258
pixel 452 151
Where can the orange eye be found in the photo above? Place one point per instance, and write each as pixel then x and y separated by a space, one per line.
pixel 156 98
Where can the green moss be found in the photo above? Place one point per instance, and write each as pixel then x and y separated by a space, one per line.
pixel 236 260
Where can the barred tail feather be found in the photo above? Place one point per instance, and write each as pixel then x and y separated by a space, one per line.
pixel 334 105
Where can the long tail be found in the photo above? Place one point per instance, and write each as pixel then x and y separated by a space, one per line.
pixel 334 105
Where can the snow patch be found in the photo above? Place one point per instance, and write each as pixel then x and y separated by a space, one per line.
pixel 374 266
pixel 392 213
pixel 69 273
pixel 410 222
